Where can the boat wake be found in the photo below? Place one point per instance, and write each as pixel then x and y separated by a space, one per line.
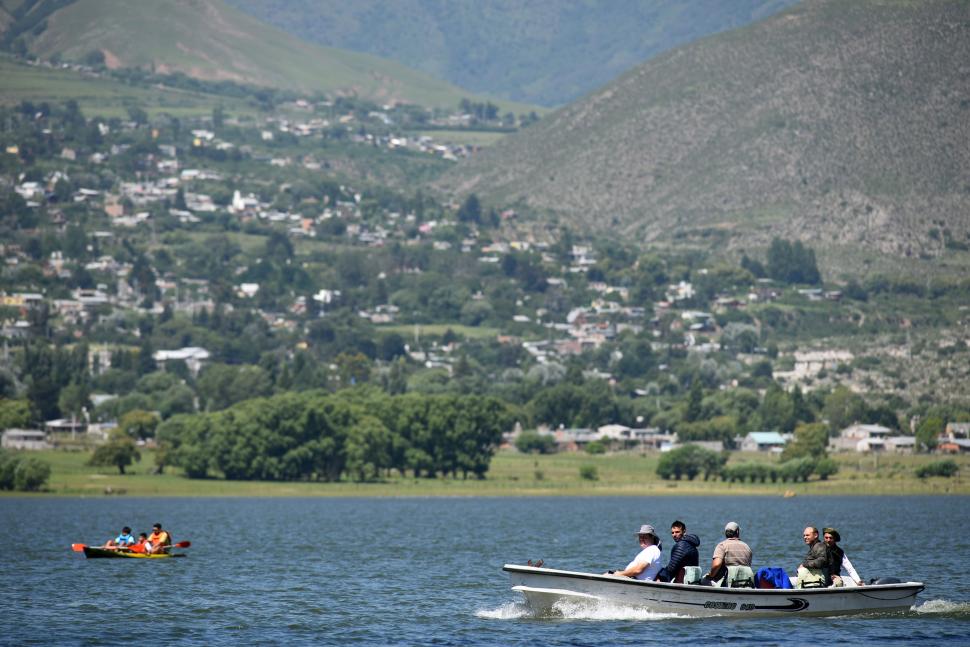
pixel 508 611
pixel 943 608
pixel 569 610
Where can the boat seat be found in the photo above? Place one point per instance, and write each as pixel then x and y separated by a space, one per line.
pixel 740 577
pixel 692 574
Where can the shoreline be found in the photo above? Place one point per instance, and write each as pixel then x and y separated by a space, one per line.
pixel 511 475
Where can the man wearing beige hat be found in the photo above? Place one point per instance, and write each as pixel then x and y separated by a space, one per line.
pixel 646 564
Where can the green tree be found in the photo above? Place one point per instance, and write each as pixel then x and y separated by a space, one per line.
pixel 694 409
pixel 74 399
pixel 470 210
pixel 842 408
pixel 138 424
pixel 14 414
pixel 777 411
pixel 120 451
pixel 928 432
pixel 809 440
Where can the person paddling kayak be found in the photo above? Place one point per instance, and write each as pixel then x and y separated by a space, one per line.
pixel 124 540
pixel 160 539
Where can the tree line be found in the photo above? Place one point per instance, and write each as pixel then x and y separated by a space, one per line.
pixel 319 436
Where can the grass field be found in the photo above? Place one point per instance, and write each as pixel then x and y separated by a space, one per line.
pixel 512 474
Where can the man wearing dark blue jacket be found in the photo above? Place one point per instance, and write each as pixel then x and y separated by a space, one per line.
pixel 684 553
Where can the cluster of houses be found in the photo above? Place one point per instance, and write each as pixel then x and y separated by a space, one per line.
pixel 859 438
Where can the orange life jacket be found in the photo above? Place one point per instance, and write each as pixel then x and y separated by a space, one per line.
pixel 160 538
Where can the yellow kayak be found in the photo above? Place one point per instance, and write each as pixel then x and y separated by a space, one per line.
pixel 93 553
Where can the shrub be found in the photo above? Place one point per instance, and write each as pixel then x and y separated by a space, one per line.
pixel 588 473
pixel 826 467
pixel 945 469
pixel 532 441
pixel 31 475
pixel 689 461
pixel 595 447
pixel 22 473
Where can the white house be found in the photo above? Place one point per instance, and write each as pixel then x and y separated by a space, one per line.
pixel 763 441
pixel 193 356
pixel 861 438
pixel 24 439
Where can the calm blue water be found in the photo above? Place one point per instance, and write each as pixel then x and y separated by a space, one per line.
pixel 428 571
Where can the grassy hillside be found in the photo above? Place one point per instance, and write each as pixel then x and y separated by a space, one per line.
pixel 541 51
pixel 103 96
pixel 839 122
pixel 206 39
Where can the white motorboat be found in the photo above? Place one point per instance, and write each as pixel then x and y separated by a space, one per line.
pixel 548 590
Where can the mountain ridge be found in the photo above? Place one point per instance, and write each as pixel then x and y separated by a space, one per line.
pixel 208 39
pixel 539 51
pixel 833 120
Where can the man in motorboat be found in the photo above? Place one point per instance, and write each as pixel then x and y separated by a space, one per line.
pixel 684 553
pixel 812 572
pixel 730 552
pixel 646 564
pixel 837 561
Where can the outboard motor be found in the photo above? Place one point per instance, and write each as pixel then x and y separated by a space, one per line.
pixel 885 580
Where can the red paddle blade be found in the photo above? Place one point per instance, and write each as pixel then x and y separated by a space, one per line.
pixel 77 548
pixel 182 544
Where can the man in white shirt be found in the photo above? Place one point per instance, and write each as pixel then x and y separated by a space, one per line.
pixel 646 564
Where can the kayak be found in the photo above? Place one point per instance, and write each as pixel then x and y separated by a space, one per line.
pixel 93 553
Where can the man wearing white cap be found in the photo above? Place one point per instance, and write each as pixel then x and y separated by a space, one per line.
pixel 730 552
pixel 646 564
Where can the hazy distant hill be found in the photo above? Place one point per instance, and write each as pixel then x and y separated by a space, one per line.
pixel 539 51
pixel 209 40
pixel 841 120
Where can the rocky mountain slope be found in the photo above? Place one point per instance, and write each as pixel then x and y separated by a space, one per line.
pixel 839 121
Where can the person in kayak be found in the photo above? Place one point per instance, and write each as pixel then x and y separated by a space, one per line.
pixel 142 545
pixel 812 572
pixel 684 553
pixel 730 552
pixel 646 564
pixel 124 540
pixel 160 539
pixel 837 561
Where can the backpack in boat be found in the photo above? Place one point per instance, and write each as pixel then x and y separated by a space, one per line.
pixel 772 577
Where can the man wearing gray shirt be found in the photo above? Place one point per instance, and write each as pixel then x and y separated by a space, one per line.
pixel 730 552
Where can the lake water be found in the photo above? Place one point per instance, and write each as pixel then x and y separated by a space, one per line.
pixel 429 571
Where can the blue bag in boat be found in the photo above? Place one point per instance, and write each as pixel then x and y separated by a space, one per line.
pixel 771 577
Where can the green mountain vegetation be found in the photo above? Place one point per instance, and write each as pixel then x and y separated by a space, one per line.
pixel 836 122
pixel 211 41
pixel 537 51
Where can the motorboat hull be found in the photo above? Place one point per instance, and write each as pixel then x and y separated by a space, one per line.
pixel 547 590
